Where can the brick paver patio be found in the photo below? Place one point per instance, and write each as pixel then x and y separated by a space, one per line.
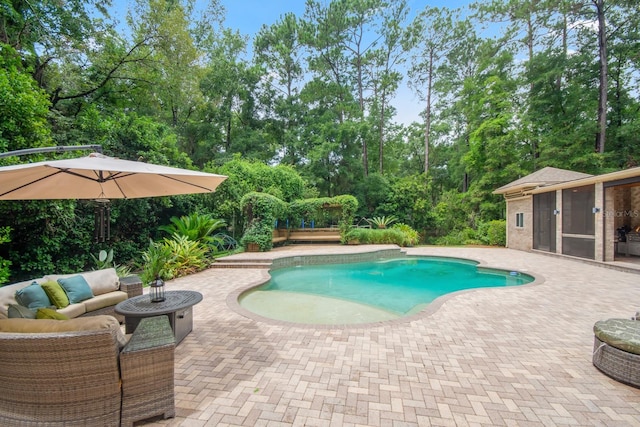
pixel 490 357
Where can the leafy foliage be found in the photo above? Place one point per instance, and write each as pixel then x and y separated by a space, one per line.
pixel 260 233
pixel 23 106
pixel 369 236
pixel 196 227
pixel 382 221
pixel 105 260
pixel 173 257
pixel 156 262
pixel 188 256
pixel 324 211
pixel 411 236
pixel 493 233
pixel 4 263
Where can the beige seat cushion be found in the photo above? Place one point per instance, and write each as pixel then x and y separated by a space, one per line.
pixel 92 323
pixel 74 310
pixel 104 300
pixel 100 281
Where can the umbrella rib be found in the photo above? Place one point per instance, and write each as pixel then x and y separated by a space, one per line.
pixel 185 182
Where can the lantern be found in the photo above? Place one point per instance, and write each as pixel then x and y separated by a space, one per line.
pixel 156 290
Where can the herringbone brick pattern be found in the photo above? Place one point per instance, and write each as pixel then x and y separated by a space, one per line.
pixel 490 357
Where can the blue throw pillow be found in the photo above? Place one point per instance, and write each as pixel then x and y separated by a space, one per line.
pixel 32 296
pixel 76 288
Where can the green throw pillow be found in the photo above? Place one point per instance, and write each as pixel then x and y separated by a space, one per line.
pixel 49 313
pixel 76 288
pixel 56 294
pixel 20 312
pixel 32 296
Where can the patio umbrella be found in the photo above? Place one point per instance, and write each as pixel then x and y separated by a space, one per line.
pixel 101 178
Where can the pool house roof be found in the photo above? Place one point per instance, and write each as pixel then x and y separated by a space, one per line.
pixel 543 178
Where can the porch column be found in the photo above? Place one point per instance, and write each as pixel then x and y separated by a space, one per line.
pixel 609 224
pixel 599 222
pixel 559 221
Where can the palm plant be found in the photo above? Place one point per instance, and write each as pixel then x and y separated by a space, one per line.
pixel 382 221
pixel 196 227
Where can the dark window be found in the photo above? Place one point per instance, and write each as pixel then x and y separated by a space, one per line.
pixel 520 220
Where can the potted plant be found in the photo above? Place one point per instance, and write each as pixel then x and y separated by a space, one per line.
pixel 257 237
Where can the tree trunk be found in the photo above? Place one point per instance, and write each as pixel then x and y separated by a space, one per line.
pixel 604 78
pixel 381 131
pixel 427 115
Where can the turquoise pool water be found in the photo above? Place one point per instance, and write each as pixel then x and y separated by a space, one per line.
pixel 382 290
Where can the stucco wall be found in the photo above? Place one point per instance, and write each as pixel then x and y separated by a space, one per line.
pixel 520 238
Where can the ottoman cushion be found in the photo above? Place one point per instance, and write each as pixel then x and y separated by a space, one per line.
pixel 623 334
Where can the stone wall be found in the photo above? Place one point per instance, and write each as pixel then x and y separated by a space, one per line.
pixel 520 238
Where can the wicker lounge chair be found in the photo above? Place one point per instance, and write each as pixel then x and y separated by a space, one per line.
pixel 616 350
pixel 81 377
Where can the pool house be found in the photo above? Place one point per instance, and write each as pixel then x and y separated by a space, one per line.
pixel 559 211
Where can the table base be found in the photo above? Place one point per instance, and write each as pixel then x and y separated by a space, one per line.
pixel 181 322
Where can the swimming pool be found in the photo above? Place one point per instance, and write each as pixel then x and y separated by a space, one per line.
pixel 371 291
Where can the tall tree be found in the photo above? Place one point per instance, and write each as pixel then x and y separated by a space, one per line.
pixel 386 77
pixel 278 50
pixel 434 35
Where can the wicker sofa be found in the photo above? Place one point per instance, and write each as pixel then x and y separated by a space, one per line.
pixel 84 372
pixel 106 287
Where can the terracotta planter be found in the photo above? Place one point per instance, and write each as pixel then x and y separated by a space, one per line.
pixel 253 247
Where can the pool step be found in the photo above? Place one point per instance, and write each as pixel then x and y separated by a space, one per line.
pixel 242 263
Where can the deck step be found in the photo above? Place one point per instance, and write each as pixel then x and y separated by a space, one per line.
pixel 245 263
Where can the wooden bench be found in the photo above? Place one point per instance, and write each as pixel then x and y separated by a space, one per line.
pixel 314 235
pixel 280 235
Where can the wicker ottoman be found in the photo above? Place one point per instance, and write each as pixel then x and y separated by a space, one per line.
pixel 616 350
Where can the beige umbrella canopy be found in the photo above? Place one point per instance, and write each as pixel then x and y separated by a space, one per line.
pixel 98 177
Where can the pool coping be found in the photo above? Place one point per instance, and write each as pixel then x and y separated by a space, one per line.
pixel 361 256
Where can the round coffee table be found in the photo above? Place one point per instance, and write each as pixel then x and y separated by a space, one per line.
pixel 178 306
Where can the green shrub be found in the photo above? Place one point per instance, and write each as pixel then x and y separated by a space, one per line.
pixel 465 236
pixel 368 236
pixel 155 262
pixel 411 236
pixel 171 258
pixel 324 211
pixel 4 263
pixel 493 233
pixel 260 233
pixel 189 256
